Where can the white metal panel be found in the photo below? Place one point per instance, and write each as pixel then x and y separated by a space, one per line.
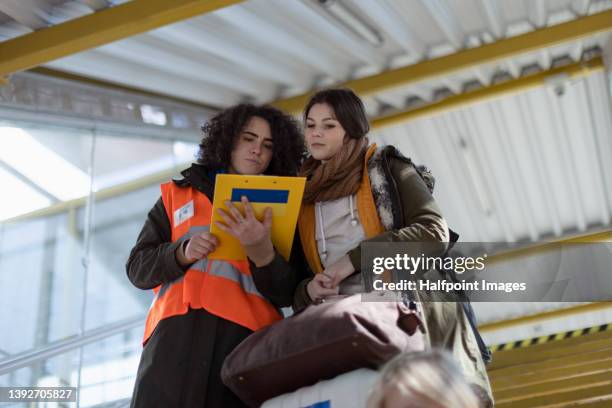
pixel 520 168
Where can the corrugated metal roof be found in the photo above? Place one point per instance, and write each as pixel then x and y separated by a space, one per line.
pixel 533 166
pixel 246 51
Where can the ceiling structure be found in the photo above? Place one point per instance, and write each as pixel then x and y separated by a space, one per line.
pixel 399 56
pixel 507 102
pixel 243 51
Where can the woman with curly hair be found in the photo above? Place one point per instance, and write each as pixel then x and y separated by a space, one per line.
pixel 203 308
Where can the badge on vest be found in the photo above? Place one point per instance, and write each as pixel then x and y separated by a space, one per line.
pixel 183 214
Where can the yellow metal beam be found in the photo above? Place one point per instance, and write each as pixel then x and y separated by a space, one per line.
pixel 59 74
pixel 490 92
pixel 603 402
pixel 552 387
pixel 541 38
pixel 534 318
pixel 567 361
pixel 532 249
pixel 535 377
pixel 4 80
pixel 563 397
pixel 93 30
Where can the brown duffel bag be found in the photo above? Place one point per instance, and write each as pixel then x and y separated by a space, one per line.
pixel 320 342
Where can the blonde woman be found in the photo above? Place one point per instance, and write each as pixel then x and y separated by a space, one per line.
pixel 429 379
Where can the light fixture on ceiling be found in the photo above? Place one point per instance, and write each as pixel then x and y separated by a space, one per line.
pixel 352 21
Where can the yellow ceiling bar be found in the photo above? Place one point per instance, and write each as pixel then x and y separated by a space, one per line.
pixel 99 28
pixel 541 38
pixel 489 92
pixel 69 76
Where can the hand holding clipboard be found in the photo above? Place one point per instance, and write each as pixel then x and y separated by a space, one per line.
pixel 283 195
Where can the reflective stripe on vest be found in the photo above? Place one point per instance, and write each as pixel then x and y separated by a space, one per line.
pixel 223 288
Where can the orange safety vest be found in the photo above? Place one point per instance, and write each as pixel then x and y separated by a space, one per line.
pixel 223 288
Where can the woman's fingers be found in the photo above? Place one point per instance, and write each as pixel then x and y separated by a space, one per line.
pixel 202 242
pixel 267 220
pixel 323 277
pixel 198 249
pixel 204 246
pixel 248 208
pixel 318 287
pixel 237 215
pixel 226 229
pixel 252 234
pixel 326 281
pixel 207 236
pixel 322 292
pixel 195 253
pixel 229 221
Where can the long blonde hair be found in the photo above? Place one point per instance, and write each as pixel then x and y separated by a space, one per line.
pixel 429 379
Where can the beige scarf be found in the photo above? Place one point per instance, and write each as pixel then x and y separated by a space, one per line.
pixel 338 177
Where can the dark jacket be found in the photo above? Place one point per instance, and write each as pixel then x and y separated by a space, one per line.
pixel 181 363
pixel 409 213
pixel 406 208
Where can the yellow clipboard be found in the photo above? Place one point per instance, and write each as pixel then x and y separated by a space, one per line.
pixel 282 194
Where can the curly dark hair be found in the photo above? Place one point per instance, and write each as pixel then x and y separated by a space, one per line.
pixel 222 131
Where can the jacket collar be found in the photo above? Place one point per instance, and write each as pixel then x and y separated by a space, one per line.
pixel 199 177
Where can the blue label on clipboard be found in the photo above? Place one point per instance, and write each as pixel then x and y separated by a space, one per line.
pixel 322 404
pixel 256 195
